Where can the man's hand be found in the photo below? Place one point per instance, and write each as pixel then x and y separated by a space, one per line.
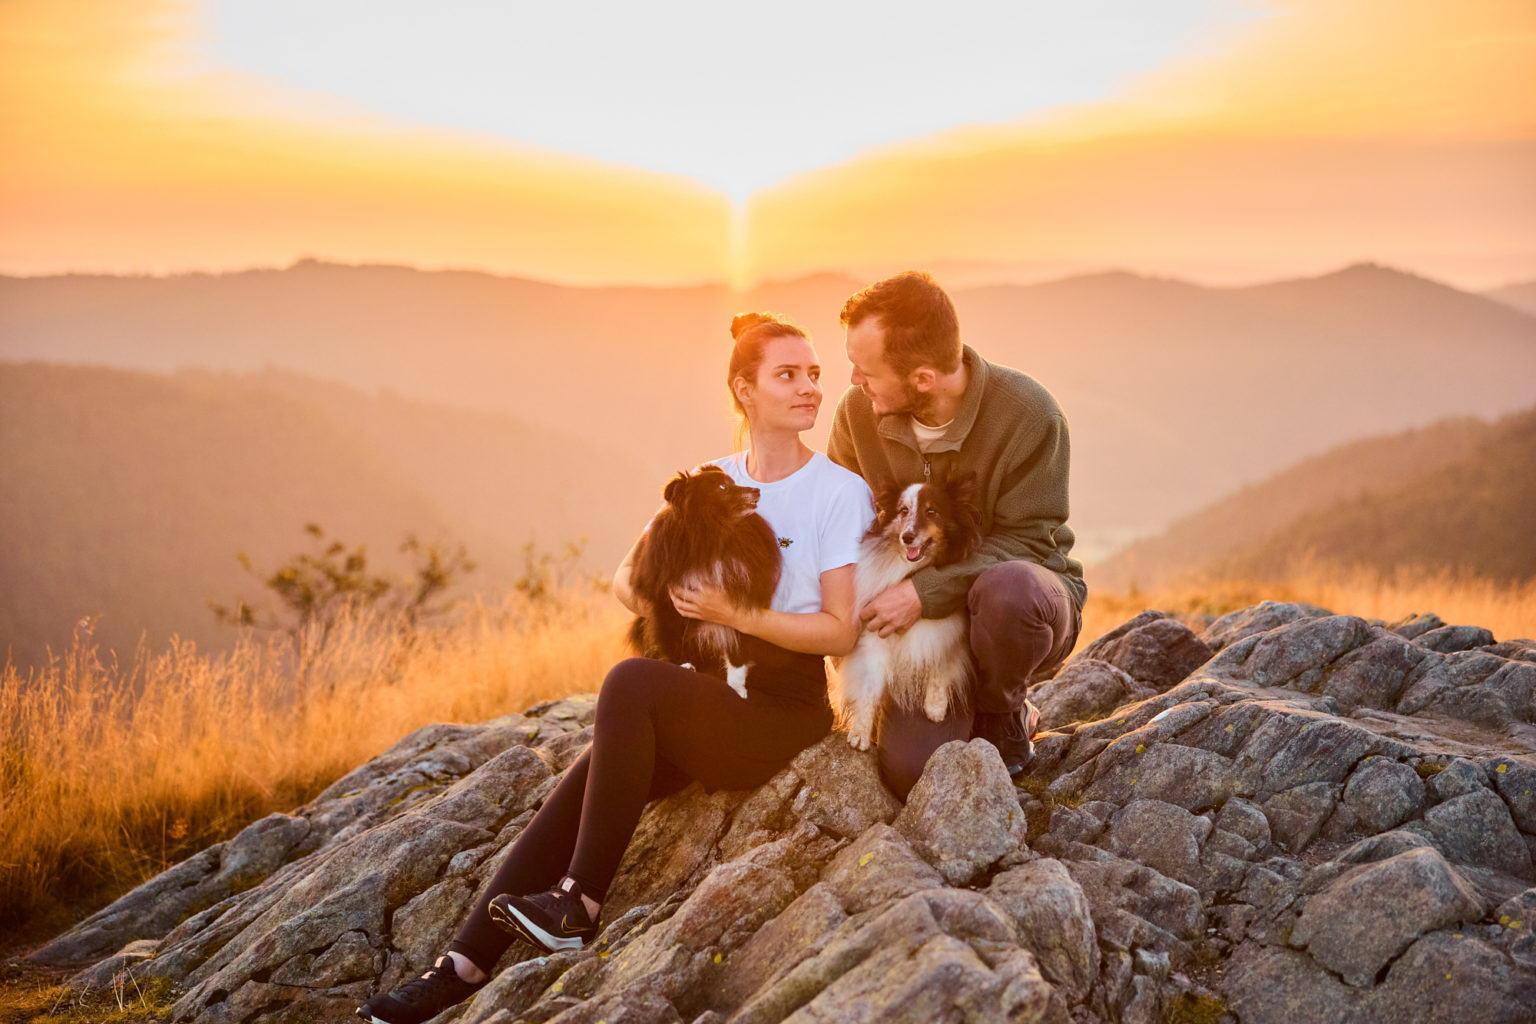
pixel 893 610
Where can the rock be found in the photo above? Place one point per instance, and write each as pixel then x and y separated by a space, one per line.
pixel 157 906
pixel 1447 639
pixel 1261 618
pixel 1515 780
pixel 1170 772
pixel 1187 822
pixel 876 868
pixel 1458 778
pixel 1476 687
pixel 1053 921
pixel 1477 829
pixel 1375 675
pixel 963 815
pixel 1415 626
pixel 1461 977
pixel 1269 985
pixel 1297 815
pixel 1244 818
pixel 783 943
pixel 1296 654
pixel 1083 691
pixel 672 845
pixel 940 980
pixel 1162 836
pixel 1383 794
pixel 843 793
pixel 1139 904
pixel 1370 914
pixel 1151 649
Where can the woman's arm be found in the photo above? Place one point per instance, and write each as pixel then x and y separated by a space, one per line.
pixel 833 630
pixel 621 587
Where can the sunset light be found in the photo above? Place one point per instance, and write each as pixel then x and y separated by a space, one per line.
pixel 1221 140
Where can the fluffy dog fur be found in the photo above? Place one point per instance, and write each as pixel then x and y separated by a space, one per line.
pixel 928 665
pixel 708 533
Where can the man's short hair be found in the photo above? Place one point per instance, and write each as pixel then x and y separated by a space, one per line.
pixel 919 321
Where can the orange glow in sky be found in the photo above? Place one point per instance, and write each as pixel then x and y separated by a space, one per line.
pixel 1291 139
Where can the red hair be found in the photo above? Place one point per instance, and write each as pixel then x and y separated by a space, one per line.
pixel 920 324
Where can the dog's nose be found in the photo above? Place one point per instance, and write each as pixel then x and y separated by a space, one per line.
pixel 908 537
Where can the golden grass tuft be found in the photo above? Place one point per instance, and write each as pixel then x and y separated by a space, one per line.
pixel 111 772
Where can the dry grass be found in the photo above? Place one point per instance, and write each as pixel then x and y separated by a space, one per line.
pixel 111 772
pixel 30 994
pixel 1506 609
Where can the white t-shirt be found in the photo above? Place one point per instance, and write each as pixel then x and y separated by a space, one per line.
pixel 927 435
pixel 819 513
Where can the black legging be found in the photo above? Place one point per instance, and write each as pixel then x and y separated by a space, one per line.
pixel 658 728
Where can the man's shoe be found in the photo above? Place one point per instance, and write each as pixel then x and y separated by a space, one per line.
pixel 552 920
pixel 420 999
pixel 1012 733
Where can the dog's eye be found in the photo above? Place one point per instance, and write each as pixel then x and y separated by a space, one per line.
pixel 933 513
pixel 902 510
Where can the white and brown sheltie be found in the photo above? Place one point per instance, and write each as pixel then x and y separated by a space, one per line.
pixel 929 665
pixel 708 533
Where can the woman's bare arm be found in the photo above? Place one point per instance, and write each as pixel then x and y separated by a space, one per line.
pixel 833 630
pixel 621 585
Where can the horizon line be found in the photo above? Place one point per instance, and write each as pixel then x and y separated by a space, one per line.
pixel 1004 280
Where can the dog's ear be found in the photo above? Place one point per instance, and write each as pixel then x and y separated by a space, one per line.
pixel 961 488
pixel 887 499
pixel 960 493
pixel 674 485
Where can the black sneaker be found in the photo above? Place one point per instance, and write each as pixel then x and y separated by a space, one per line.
pixel 552 920
pixel 1013 734
pixel 420 999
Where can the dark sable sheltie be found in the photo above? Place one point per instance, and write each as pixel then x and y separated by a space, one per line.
pixel 929 665
pixel 709 533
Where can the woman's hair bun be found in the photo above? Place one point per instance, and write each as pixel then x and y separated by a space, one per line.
pixel 743 322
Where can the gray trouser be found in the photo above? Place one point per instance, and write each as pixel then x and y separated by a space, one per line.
pixel 1024 623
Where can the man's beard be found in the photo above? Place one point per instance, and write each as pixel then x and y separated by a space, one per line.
pixel 914 402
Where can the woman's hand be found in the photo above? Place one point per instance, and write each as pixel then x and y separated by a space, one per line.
pixel 708 604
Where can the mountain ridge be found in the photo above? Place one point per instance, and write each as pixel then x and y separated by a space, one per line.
pixel 1176 393
pixel 135 491
pixel 1313 508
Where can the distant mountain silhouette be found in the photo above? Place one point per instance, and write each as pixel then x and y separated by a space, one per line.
pixel 1457 495
pixel 1521 296
pixel 130 494
pixel 1176 393
pixel 1477 515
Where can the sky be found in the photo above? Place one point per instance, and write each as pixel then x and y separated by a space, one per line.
pixel 734 96
pixel 1219 140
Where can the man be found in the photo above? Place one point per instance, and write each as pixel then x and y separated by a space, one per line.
pixel 923 403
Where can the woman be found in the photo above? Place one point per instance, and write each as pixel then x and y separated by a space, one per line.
pixel 659 726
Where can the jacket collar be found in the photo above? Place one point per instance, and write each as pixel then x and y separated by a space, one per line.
pixel 898 426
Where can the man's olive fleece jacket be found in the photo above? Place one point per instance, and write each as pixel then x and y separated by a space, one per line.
pixel 1009 432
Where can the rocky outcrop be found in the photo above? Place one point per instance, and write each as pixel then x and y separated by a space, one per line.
pixel 1291 816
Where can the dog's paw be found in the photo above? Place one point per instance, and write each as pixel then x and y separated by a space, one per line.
pixel 936 707
pixel 858 740
pixel 736 679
